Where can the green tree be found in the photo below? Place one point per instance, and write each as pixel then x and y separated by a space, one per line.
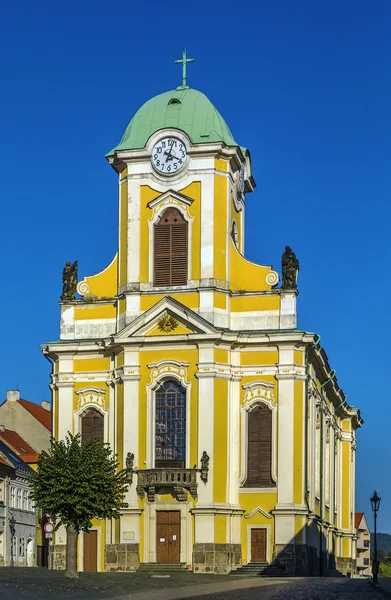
pixel 76 482
pixel 381 555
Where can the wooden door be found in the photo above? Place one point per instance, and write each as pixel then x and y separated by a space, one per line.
pixel 90 558
pixel 168 526
pixel 258 545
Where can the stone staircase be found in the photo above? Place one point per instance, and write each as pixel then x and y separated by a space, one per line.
pixel 260 569
pixel 161 568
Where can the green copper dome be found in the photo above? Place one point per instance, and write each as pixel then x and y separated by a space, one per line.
pixel 184 109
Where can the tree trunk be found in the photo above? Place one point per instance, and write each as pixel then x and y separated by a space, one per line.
pixel 71 551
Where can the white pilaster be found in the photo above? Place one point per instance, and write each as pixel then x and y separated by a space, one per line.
pixel 207 222
pixel 206 420
pixel 233 474
pixel 133 231
pixel 130 378
pixel 65 408
pixel 284 518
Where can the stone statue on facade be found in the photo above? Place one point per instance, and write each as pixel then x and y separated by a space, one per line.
pixel 204 466
pixel 290 269
pixel 129 466
pixel 69 281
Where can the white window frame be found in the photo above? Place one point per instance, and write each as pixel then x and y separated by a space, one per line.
pixel 170 202
pixel 96 394
pixel 181 377
pixel 22 547
pixel 245 410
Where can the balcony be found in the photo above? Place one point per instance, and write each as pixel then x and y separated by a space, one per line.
pixel 362 544
pixel 178 482
pixel 362 563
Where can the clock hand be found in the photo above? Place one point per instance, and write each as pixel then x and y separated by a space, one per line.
pixel 169 154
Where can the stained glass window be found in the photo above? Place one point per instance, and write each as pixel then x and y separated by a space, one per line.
pixel 170 425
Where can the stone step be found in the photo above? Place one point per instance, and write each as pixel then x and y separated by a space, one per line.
pixel 162 567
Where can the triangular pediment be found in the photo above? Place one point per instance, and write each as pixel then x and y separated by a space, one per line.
pixel 167 317
pixel 169 196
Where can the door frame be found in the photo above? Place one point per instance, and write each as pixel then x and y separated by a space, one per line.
pixel 81 550
pixel 150 522
pixel 268 530
pixel 177 526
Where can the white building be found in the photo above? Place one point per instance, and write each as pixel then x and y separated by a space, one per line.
pixel 17 512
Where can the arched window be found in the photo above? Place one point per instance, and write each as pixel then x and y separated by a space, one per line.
pixel 22 546
pixel 18 498
pixel 170 428
pixel 170 251
pixel 92 425
pixel 14 543
pixel 13 492
pixel 259 447
pixel 24 500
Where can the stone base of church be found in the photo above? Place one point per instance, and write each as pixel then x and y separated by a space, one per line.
pixel 216 558
pixel 346 566
pixel 122 557
pixel 299 560
pixel 57 557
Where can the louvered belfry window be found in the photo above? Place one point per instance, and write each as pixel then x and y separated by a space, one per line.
pixel 170 252
pixel 92 426
pixel 259 447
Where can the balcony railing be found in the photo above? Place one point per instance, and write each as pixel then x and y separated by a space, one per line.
pixel 176 481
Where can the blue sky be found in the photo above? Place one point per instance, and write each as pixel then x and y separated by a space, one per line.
pixel 304 85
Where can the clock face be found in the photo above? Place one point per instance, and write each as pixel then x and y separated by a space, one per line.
pixel 169 156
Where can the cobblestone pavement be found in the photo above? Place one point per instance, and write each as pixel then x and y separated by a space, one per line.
pixel 303 589
pixel 22 583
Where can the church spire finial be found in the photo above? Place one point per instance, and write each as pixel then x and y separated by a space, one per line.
pixel 184 60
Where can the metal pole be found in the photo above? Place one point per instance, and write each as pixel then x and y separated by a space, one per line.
pixel 374 567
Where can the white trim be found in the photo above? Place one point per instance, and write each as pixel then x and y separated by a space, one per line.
pixel 245 409
pixel 150 521
pixel 258 510
pixel 170 200
pixel 268 530
pixel 79 414
pixel 98 543
pixel 147 319
pixel 157 377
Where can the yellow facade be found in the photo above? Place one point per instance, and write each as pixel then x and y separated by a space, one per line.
pixel 256 405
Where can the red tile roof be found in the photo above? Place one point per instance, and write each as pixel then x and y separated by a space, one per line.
pixel 357 521
pixel 19 445
pixel 38 412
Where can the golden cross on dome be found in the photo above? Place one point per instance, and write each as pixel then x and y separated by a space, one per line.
pixel 184 60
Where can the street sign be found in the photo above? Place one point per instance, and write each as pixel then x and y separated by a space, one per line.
pixel 48 528
pixel 48 536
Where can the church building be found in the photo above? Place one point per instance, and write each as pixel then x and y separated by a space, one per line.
pixel 187 359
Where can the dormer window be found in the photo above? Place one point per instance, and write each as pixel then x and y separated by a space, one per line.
pixel 170 249
pixel 174 101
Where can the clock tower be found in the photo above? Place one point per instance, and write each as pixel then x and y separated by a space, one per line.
pixel 186 358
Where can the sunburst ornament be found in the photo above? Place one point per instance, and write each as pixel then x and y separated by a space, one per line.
pixel 167 323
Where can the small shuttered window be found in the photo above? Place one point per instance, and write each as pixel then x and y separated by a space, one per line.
pixel 170 252
pixel 259 447
pixel 92 426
